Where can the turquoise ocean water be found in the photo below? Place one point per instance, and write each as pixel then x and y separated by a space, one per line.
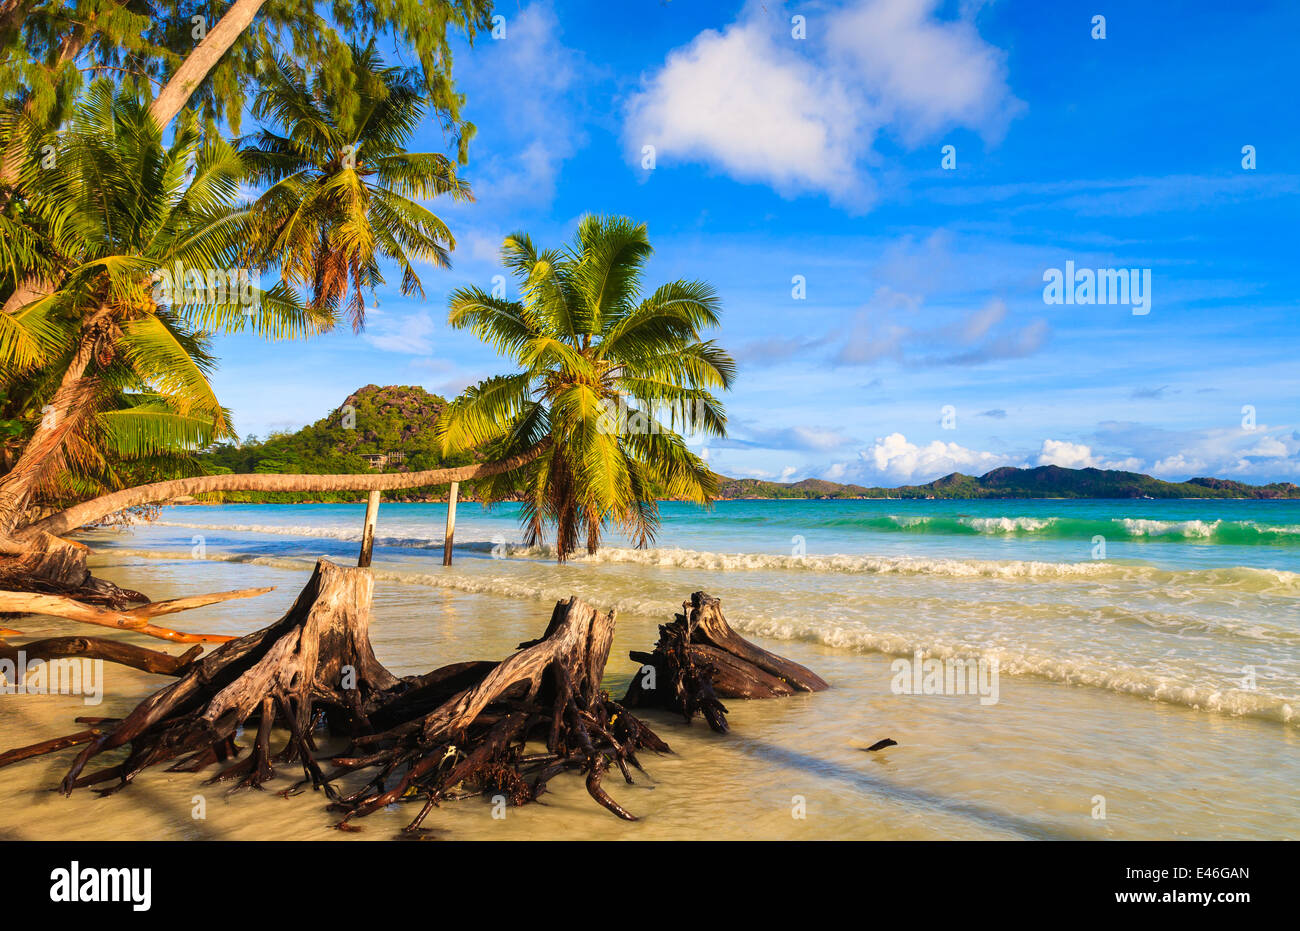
pixel 1193 603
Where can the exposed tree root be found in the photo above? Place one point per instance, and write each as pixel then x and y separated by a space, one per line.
pixel 314 663
pixel 114 651
pixel 700 659
pixel 48 746
pixel 464 729
pixel 51 565
pixel 504 728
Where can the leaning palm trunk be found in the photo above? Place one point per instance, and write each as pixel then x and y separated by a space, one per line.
pixel 166 105
pixel 103 506
pixel 202 60
pixel 59 419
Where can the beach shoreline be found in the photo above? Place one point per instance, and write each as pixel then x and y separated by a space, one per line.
pixel 958 771
pixel 1028 766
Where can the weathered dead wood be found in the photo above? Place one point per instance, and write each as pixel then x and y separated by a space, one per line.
pixel 460 730
pixel 51 565
pixel 474 740
pixel 700 659
pixel 134 619
pixel 314 663
pixel 708 625
pixel 18 754
pixel 114 651
pixel 57 560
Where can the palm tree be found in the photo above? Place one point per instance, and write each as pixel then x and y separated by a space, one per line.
pixel 342 189
pixel 598 364
pixel 122 362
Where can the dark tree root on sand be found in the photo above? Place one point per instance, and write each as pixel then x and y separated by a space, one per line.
pixel 465 729
pixel 114 651
pixel 54 566
pixel 699 660
pixel 470 728
pixel 314 666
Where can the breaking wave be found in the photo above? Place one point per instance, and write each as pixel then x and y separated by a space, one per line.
pixel 1069 666
pixel 1236 532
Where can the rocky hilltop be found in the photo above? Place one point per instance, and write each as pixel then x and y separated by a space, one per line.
pixel 396 422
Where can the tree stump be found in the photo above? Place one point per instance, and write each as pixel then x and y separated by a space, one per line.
pixel 314 664
pixel 463 729
pixel 460 730
pixel 699 659
pixel 52 565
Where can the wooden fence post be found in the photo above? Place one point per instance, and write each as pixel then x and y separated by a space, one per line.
pixel 451 523
pixel 368 534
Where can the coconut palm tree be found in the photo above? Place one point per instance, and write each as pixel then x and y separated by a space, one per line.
pixel 343 193
pixel 142 242
pixel 600 365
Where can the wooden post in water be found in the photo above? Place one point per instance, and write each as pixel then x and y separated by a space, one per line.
pixel 451 523
pixel 368 533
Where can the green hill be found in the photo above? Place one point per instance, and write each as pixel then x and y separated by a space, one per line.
pixel 397 422
pixel 394 421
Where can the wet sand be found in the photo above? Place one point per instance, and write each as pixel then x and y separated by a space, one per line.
pixel 1031 766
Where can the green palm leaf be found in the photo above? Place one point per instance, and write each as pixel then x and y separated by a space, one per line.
pixel 588 346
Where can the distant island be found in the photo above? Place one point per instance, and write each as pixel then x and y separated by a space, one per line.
pixel 391 429
pixel 1008 482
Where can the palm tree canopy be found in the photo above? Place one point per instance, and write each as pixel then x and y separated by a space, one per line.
pixel 343 192
pixel 145 242
pixel 601 368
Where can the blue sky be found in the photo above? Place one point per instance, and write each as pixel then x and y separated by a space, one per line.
pixel 922 344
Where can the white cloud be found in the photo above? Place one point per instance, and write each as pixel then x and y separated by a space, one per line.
pixel 805 114
pixel 894 458
pixel 1267 454
pixel 1182 466
pixel 888 327
pixel 1065 454
pixel 1267 448
pixel 542 132
pixel 1069 455
pixel 410 334
pixel 926 73
pixel 760 110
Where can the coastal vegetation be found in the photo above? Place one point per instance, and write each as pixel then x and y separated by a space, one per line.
pixel 393 425
pixel 402 419
pixel 594 358
pixel 1009 482
pixel 341 191
pixel 128 242
pixel 118 351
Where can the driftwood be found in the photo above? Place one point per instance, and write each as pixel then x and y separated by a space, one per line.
pixel 58 648
pixel 114 651
pixel 19 754
pixel 459 730
pixel 465 729
pixel 134 619
pixel 51 565
pixel 462 729
pixel 314 664
pixel 699 660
